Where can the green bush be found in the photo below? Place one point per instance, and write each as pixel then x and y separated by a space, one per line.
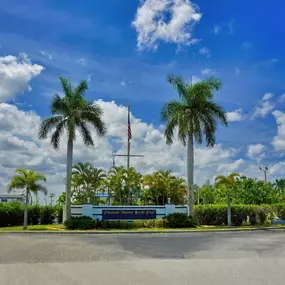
pixel 211 214
pixel 12 214
pixel 179 220
pixel 80 223
pixel 47 215
pixel 59 213
pixel 217 214
pixel 268 223
pixel 34 213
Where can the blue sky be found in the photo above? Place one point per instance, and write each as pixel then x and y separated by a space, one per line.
pixel 239 41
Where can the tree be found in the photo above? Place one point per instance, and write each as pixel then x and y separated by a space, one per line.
pixel 86 182
pixel 195 115
pixel 205 193
pixel 228 182
pixel 70 113
pixel 27 180
pixel 61 199
pixel 124 185
pixel 161 185
pixel 51 196
pixel 280 186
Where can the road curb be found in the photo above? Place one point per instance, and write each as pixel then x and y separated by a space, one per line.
pixel 140 232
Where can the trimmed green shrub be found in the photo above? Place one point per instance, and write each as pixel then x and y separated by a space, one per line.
pixel 211 214
pixel 47 215
pixel 80 223
pixel 217 214
pixel 34 213
pixel 179 220
pixel 59 213
pixel 12 214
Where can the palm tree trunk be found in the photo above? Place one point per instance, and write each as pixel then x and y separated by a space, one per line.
pixel 68 177
pixel 26 210
pixel 229 211
pixel 190 173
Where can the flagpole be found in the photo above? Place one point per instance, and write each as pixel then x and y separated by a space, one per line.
pixel 129 141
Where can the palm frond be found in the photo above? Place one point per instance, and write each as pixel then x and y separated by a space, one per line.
pixel 86 134
pixel 214 82
pixel 179 84
pixel 216 111
pixel 17 182
pixel 169 131
pixel 47 125
pixel 55 139
pixel 40 188
pixel 92 114
pixel 58 105
pixel 80 90
pixel 39 177
pixel 171 109
pixel 66 86
pixel 22 171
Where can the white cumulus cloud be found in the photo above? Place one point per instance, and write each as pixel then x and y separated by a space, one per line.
pixel 235 115
pixel 256 150
pixel 265 106
pixel 169 21
pixel 230 167
pixel 15 75
pixel 267 96
pixel 279 139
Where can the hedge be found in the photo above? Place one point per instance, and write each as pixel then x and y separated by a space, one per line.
pixel 176 220
pixel 12 214
pixel 255 214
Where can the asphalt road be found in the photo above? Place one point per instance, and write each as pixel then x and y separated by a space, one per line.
pixel 197 258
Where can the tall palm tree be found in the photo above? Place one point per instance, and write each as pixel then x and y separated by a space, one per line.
pixel 229 182
pixel 27 180
pixel 195 115
pixel 72 112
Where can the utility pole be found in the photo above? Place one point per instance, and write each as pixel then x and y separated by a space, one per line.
pixel 128 155
pixel 264 170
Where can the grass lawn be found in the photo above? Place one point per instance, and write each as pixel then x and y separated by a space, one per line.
pixel 60 227
pixel 55 227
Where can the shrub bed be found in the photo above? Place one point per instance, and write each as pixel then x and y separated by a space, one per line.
pixel 12 214
pixel 176 220
pixel 257 215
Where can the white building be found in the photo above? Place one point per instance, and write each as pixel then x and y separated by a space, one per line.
pixel 6 198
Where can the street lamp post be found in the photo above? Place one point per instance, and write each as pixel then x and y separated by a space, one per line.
pixel 264 170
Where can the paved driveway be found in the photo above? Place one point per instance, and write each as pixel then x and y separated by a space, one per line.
pixel 196 258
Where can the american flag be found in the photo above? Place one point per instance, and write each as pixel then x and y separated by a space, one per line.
pixel 129 125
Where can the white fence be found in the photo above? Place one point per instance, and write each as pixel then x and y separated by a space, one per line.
pixel 128 213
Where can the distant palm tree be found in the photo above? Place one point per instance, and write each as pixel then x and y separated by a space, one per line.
pixel 72 112
pixel 195 115
pixel 27 180
pixel 123 185
pixel 228 182
pixel 161 185
pixel 51 196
